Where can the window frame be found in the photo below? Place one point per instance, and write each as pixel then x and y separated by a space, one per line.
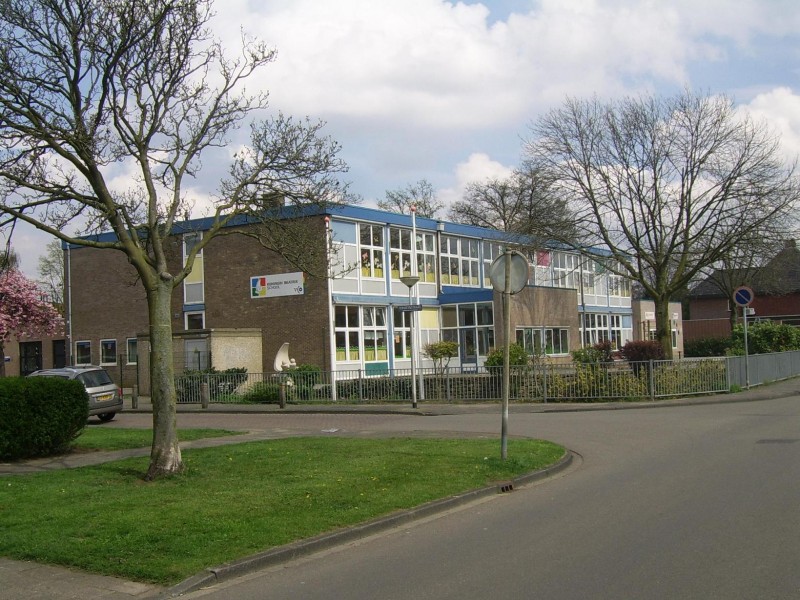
pixel 83 344
pixel 128 352
pixel 103 356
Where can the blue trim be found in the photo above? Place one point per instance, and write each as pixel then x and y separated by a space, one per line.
pixel 193 307
pixel 455 295
pixel 365 300
pixel 615 310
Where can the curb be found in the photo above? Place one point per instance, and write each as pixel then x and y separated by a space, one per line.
pixel 325 541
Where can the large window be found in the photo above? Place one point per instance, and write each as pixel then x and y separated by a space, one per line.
pixel 402 333
pixel 108 352
pixel 471 325
pixel 83 353
pixel 595 329
pixel 371 248
pixel 400 252
pixel 348 333
pixel 426 257
pixel 566 270
pixel 544 340
pixel 193 286
pixel 459 261
pixel 491 251
pixel 619 286
pixel 375 336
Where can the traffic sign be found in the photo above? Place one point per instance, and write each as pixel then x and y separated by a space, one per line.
pixel 743 295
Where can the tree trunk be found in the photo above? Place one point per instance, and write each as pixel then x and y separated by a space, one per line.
pixel 664 326
pixel 2 360
pixel 165 455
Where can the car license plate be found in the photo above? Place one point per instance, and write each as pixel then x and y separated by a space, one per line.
pixel 105 397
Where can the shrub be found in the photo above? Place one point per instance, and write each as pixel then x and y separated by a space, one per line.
pixel 517 357
pixel 598 354
pixel 642 350
pixel 304 379
pixel 40 416
pixel 765 337
pixel 262 392
pixel 713 346
pixel 440 353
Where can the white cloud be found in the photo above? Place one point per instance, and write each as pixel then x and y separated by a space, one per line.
pixel 477 168
pixel 780 108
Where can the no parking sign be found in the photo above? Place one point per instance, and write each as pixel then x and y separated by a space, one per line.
pixel 743 296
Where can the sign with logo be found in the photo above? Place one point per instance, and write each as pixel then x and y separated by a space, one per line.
pixel 272 286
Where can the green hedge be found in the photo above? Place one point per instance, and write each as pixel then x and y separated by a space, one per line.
pixel 40 416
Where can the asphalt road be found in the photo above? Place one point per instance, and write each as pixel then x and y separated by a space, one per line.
pixel 683 502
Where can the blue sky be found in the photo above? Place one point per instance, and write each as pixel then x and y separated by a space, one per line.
pixel 445 91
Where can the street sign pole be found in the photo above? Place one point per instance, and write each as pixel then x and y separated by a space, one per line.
pixel 743 296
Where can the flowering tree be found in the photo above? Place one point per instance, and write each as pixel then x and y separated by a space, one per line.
pixel 23 311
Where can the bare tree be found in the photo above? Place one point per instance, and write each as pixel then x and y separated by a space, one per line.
pixel 668 185
pixel 420 194
pixel 8 259
pixel 522 203
pixel 51 274
pixel 90 89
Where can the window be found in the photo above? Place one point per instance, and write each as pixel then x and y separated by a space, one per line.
pixel 471 325
pixel 132 351
pixel 566 270
pixel 595 329
pixel 83 353
pixel 371 242
pixel 491 251
pixel 619 286
pixel 375 345
pixel 108 352
pixel 426 257
pixel 348 333
pixel 544 340
pixel 195 320
pixel 196 355
pixel 459 261
pixel 618 329
pixel 193 285
pixel 402 333
pixel 400 252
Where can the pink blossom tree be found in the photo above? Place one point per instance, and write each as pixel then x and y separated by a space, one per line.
pixel 23 311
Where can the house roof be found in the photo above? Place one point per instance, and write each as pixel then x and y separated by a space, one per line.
pixel 781 275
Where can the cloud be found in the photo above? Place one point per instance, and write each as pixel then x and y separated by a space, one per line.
pixel 477 168
pixel 781 109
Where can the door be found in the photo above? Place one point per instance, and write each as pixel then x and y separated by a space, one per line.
pixel 30 357
pixel 59 354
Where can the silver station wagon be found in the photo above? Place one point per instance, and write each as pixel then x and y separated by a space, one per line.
pixel 105 398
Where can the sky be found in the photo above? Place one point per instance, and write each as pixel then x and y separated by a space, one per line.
pixel 446 91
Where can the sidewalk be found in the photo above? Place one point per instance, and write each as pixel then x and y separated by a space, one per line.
pixel 21 579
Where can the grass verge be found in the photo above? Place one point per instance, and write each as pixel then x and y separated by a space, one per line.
pixel 237 500
pixel 108 438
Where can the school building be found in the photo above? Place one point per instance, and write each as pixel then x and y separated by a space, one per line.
pixel 241 302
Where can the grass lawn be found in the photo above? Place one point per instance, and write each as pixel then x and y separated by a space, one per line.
pixel 109 438
pixel 237 500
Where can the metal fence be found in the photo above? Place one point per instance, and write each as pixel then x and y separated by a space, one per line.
pixel 618 381
pixel 762 368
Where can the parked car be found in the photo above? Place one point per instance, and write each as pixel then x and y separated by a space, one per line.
pixel 105 398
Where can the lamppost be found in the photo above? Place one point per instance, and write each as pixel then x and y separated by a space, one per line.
pixel 410 281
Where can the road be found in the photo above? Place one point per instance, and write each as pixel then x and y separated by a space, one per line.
pixel 682 502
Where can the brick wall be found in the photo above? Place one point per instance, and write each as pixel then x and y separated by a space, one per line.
pixel 109 301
